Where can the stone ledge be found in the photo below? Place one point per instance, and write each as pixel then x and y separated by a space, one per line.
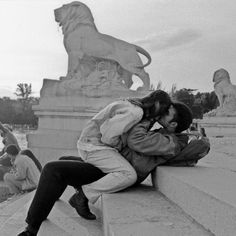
pixel 45 154
pixel 10 207
pixel 205 193
pixel 144 211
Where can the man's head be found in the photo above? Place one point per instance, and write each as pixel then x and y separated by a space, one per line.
pixel 155 104
pixel 178 118
pixel 12 151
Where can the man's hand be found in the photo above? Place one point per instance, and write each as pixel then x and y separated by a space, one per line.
pixel 195 134
pixel 202 131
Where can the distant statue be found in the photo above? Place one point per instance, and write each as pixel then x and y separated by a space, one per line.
pixel 224 89
pixel 226 94
pixel 94 57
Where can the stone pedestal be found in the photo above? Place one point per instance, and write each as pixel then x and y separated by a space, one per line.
pixel 219 126
pixel 63 116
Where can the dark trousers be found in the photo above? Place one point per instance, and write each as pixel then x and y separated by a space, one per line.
pixel 54 179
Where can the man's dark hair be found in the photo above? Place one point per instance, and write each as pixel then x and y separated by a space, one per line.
pixel 183 116
pixel 148 103
pixel 12 149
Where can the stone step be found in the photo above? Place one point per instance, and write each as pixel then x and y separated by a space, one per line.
pixel 62 221
pixel 9 207
pixel 142 211
pixel 206 193
pixel 4 191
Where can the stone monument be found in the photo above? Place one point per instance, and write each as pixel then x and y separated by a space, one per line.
pixel 222 120
pixel 100 70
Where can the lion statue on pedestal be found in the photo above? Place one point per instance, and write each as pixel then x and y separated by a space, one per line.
pixel 224 89
pixel 226 94
pixel 82 40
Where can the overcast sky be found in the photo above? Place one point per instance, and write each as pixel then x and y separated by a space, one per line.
pixel 187 39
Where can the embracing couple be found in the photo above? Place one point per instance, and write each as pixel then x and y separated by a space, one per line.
pixel 118 148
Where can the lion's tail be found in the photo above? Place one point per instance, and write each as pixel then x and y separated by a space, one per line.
pixel 145 53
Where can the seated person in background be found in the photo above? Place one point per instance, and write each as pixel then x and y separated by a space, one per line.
pixel 8 136
pixel 24 175
pixel 29 153
pixel 8 139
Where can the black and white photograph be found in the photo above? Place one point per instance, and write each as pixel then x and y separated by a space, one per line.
pixel 118 118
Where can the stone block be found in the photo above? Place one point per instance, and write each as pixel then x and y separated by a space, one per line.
pixel 47 154
pixel 60 140
pixel 205 193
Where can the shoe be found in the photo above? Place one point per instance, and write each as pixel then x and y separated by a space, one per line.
pixel 26 233
pixel 80 202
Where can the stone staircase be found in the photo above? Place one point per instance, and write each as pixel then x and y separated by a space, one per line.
pixel 187 201
pixel 62 221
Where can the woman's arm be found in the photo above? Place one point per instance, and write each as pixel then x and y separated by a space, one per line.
pixel 4 130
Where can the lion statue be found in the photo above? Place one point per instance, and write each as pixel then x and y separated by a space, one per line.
pixel 224 89
pixel 82 40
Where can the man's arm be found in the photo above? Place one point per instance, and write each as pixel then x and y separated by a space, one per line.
pixel 141 139
pixel 4 130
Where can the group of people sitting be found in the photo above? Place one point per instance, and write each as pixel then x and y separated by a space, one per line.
pixel 118 148
pixel 19 169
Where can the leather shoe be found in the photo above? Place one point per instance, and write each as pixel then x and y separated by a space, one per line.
pixel 80 202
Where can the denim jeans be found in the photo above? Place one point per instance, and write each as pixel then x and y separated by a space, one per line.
pixel 119 173
pixel 55 177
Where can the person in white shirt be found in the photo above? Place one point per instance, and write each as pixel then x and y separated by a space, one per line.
pixel 24 175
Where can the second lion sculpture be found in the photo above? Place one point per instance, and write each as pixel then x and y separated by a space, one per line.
pixel 82 39
pixel 224 89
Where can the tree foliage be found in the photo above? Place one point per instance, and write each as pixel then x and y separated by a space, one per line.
pixel 19 111
pixel 23 91
pixel 199 104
